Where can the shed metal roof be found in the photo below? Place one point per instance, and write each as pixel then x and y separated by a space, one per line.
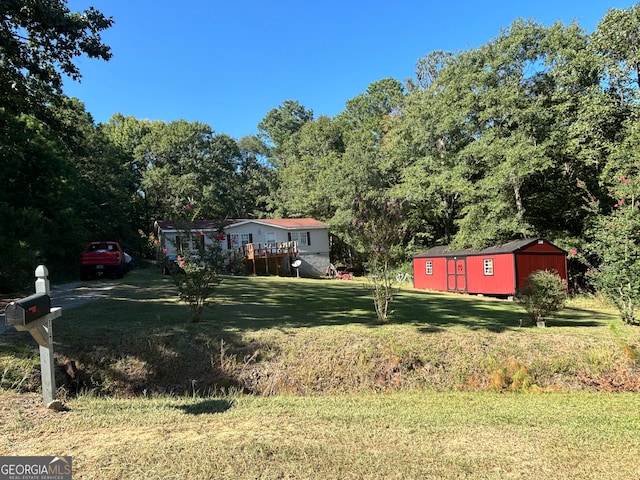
pixel 513 246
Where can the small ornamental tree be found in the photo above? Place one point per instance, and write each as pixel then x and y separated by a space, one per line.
pixel 377 224
pixel 199 275
pixel 544 294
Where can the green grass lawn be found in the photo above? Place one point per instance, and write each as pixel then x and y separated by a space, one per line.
pixel 452 387
pixel 367 436
pixel 271 335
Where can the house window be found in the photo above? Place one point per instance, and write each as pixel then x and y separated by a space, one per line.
pixel 244 239
pixel 300 237
pixel 271 237
pixel 192 242
pixel 429 267
pixel 488 266
pixel 197 242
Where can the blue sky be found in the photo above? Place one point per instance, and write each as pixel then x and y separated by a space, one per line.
pixel 227 64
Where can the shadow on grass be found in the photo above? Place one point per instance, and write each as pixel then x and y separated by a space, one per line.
pixel 432 313
pixel 257 303
pixel 579 317
pixel 205 407
pixel 439 312
pixel 139 340
pixel 151 357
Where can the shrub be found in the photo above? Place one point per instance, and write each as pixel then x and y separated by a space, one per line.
pixel 198 278
pixel 195 285
pixel 544 294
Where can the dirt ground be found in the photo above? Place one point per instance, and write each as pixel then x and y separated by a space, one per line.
pixel 25 405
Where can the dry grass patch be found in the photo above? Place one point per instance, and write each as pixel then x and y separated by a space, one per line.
pixel 400 357
pixel 408 435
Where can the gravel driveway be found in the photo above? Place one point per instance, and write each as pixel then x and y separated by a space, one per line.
pixel 73 294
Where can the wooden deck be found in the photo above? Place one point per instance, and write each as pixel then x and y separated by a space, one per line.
pixel 267 251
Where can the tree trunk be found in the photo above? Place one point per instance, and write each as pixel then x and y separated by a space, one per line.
pixel 517 184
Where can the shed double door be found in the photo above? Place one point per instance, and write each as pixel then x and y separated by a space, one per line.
pixel 457 274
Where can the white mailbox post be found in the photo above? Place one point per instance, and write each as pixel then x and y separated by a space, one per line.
pixel 34 315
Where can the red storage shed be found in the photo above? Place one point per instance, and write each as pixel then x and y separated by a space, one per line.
pixel 498 270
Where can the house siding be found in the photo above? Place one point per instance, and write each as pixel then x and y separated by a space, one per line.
pixel 526 263
pixel 313 244
pixel 313 240
pixel 171 241
pixel 437 280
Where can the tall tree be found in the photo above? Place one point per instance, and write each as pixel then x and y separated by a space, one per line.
pixel 280 123
pixel 615 237
pixel 105 184
pixel 616 234
pixel 572 74
pixel 430 136
pixel 188 169
pixel 40 41
pixel 34 188
pixel 307 178
pixel 513 99
pixel 255 179
pixel 428 69
pixel 510 139
pixel 70 186
pixel 126 135
pixel 365 165
pixel 617 39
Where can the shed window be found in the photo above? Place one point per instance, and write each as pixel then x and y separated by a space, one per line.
pixel 429 267
pixel 488 266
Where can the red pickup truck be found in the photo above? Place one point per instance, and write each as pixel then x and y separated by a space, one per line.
pixel 103 258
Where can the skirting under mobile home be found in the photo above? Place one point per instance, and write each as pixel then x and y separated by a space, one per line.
pixel 498 270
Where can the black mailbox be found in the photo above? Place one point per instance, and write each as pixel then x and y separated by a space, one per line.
pixel 28 309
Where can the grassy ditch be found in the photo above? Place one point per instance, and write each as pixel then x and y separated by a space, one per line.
pixel 272 336
pixel 453 387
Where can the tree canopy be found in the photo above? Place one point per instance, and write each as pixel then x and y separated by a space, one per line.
pixel 40 140
pixel 39 42
pixel 533 133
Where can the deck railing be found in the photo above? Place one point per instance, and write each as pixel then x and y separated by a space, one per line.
pixel 271 249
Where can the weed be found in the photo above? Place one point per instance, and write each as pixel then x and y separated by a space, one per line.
pixel 513 376
pixel 20 370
